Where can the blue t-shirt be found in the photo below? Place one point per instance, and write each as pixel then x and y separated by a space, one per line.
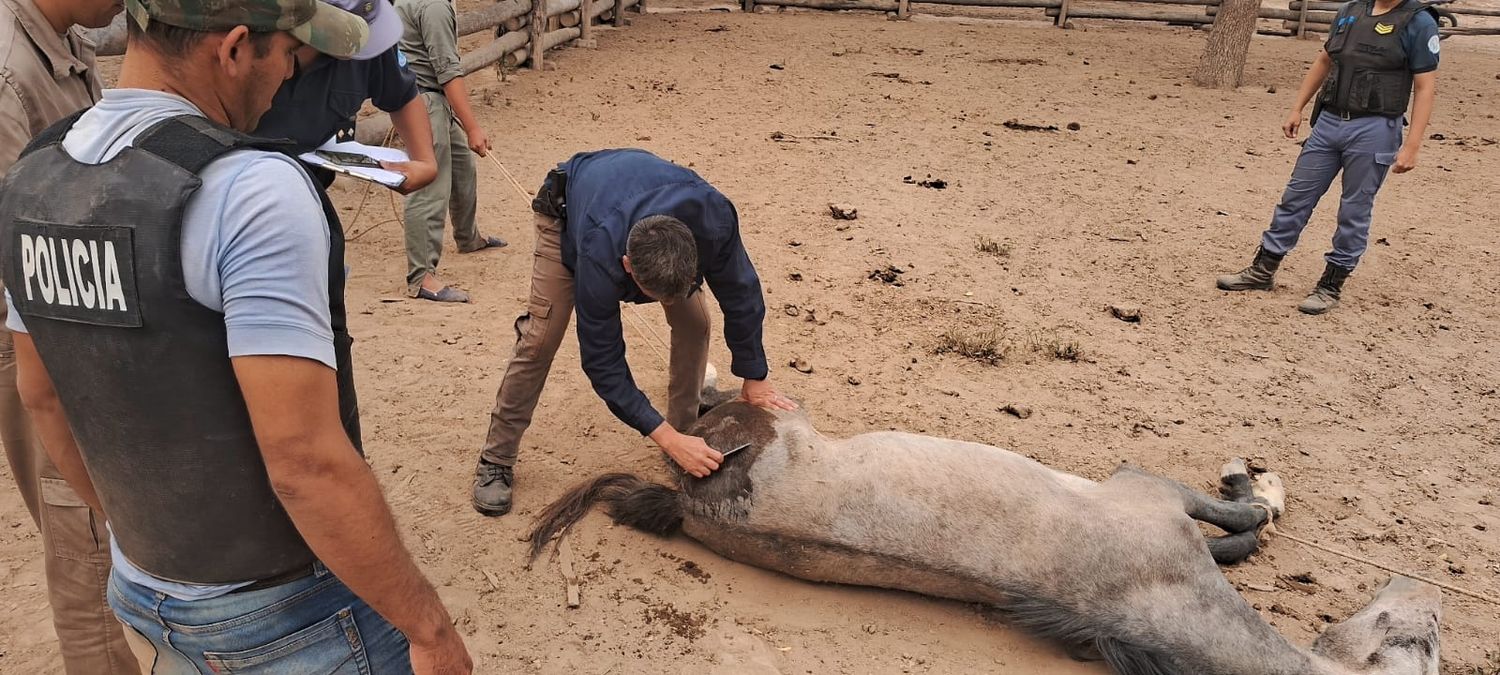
pixel 254 247
pixel 1420 39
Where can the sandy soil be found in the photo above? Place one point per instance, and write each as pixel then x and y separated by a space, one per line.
pixel 1381 417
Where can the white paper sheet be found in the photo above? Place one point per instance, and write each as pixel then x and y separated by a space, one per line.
pixel 382 176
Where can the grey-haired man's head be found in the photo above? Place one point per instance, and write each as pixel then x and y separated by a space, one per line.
pixel 662 257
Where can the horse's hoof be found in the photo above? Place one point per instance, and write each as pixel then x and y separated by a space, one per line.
pixel 1268 488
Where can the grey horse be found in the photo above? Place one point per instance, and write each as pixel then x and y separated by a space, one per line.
pixel 1117 570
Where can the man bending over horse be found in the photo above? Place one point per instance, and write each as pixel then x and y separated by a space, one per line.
pixel 627 226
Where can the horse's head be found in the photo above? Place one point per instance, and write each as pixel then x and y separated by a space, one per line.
pixel 1397 634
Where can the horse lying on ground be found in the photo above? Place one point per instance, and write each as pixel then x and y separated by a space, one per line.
pixel 1116 570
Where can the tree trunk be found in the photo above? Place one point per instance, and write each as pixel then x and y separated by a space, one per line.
pixel 1223 61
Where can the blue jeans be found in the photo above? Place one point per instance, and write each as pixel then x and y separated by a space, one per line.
pixel 1364 149
pixel 314 625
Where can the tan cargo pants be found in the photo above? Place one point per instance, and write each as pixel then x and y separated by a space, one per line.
pixel 540 331
pixel 74 542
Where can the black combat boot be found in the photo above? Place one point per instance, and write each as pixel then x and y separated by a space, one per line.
pixel 492 488
pixel 1257 277
pixel 1325 295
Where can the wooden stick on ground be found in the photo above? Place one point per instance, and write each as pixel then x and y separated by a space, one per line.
pixel 565 562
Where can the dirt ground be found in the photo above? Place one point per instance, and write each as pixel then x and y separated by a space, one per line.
pixel 1382 417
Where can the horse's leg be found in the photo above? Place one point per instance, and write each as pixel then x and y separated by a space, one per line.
pixel 1232 549
pixel 1264 494
pixel 1234 482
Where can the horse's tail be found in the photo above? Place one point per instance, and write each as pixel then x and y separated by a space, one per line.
pixel 629 500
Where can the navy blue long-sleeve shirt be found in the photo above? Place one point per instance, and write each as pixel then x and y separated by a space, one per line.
pixel 607 192
pixel 322 100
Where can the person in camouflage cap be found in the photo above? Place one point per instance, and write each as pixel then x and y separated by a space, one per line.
pixel 327 29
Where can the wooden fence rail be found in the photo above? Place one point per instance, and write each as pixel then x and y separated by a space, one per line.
pixel 518 25
pixel 1295 20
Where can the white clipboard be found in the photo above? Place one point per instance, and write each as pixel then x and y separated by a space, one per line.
pixel 384 177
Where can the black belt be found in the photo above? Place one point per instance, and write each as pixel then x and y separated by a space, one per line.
pixel 286 577
pixel 1346 116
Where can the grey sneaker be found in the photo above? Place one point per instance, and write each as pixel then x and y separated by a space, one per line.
pixel 492 488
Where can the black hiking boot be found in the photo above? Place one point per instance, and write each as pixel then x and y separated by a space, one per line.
pixel 1325 295
pixel 1257 277
pixel 492 488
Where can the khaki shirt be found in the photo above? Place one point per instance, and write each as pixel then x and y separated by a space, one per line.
pixel 430 41
pixel 44 77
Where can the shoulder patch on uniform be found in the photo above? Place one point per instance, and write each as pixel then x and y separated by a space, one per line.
pixel 1434 44
pixel 76 273
pixel 1384 28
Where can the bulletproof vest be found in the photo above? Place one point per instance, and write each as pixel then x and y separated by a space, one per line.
pixel 92 259
pixel 1370 75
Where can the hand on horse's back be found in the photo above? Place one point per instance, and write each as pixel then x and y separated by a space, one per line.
pixel 761 393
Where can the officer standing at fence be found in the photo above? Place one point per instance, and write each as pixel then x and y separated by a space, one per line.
pixel 430 43
pixel 1378 53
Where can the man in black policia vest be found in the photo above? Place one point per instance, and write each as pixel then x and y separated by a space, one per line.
pixel 1378 52
pixel 170 283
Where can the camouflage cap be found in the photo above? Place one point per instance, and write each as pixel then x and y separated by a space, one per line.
pixel 320 25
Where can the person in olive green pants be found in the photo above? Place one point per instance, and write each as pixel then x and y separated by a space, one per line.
pixel 430 45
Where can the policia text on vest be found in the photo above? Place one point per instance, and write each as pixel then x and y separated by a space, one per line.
pixel 77 273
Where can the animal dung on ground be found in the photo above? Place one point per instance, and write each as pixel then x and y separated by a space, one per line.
pixel 856 381
pixel 890 275
pixel 791 310
pixel 1126 313
pixel 928 182
pixel 1074 126
pixel 801 365
pixel 1017 125
pixel 777 66
pixel 843 211
pixel 1020 410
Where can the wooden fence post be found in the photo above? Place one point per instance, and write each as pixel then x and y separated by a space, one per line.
pixel 619 13
pixel 903 9
pixel 1062 14
pixel 586 16
pixel 1302 20
pixel 538 32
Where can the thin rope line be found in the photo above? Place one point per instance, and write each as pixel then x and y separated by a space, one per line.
pixel 635 320
pixel 1270 528
pixel 1360 559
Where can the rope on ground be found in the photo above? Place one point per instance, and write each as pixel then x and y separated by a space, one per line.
pixel 389 135
pixel 635 320
pixel 1361 559
pixel 637 323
